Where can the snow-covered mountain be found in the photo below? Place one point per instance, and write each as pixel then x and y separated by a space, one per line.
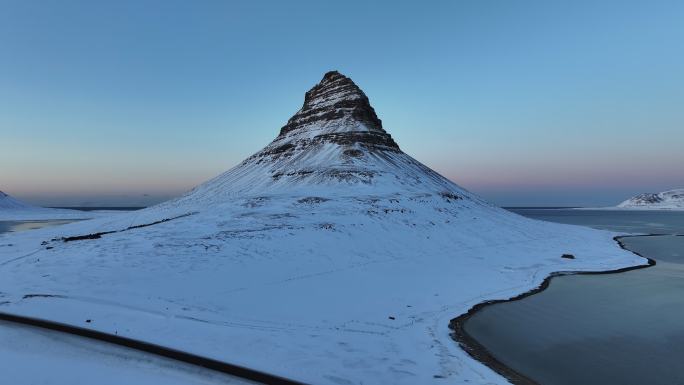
pixel 330 257
pixel 9 203
pixel 666 200
pixel 14 209
pixel 333 146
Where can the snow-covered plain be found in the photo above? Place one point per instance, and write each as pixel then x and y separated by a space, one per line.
pixel 329 257
pixel 33 356
pixel 12 209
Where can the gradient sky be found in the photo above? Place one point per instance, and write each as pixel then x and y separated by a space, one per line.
pixel 524 102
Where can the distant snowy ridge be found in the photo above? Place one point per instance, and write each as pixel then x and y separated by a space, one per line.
pixel 9 203
pixel 12 209
pixel 666 200
pixel 330 257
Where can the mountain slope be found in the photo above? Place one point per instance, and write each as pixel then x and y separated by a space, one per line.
pixel 666 200
pixel 330 256
pixel 9 203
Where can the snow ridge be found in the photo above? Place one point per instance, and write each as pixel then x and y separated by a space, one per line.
pixel 12 209
pixel 9 203
pixel 666 200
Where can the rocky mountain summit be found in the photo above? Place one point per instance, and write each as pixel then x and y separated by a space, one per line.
pixel 335 111
pixel 335 99
pixel 666 200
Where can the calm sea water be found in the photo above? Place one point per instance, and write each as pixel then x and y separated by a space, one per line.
pixel 625 328
pixel 661 222
pixel 14 226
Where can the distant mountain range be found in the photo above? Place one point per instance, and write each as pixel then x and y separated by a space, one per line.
pixel 666 200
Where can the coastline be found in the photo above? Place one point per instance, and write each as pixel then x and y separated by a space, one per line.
pixel 110 317
pixel 478 352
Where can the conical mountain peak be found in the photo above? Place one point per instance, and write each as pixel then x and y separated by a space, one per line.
pixel 336 103
pixel 336 112
pixel 334 144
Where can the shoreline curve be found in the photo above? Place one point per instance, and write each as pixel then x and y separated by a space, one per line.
pixel 480 353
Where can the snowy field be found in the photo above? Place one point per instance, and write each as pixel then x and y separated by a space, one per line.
pixel 34 356
pixel 345 302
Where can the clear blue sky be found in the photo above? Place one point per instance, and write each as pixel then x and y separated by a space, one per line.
pixel 524 102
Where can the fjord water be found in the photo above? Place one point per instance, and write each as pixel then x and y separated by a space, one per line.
pixel 628 221
pixel 15 226
pixel 623 328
